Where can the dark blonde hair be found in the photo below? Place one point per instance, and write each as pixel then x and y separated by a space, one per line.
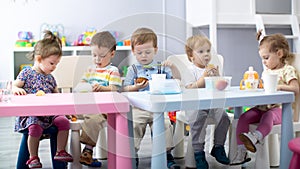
pixel 195 42
pixel 142 36
pixel 104 39
pixel 49 45
pixel 276 42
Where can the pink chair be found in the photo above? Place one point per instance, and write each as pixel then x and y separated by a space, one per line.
pixel 294 146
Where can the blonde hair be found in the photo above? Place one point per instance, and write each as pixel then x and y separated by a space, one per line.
pixel 195 42
pixel 142 36
pixel 49 45
pixel 104 39
pixel 276 42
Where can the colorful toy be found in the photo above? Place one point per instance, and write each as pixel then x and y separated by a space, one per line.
pixel 25 35
pixel 172 116
pixel 84 39
pixel 231 110
pixel 23 66
pixel 120 43
pixel 63 41
pixel 115 35
pixel 57 30
pixel 25 39
pixel 127 42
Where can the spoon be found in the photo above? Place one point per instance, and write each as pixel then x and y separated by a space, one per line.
pixel 151 66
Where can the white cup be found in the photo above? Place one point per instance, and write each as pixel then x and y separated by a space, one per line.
pixel 270 82
pixel 157 83
pixel 5 90
pixel 158 77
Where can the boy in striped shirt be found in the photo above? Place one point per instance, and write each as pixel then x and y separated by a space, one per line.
pixel 103 77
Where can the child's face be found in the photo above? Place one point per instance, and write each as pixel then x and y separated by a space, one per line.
pixel 201 56
pixel 102 56
pixel 48 64
pixel 272 60
pixel 144 53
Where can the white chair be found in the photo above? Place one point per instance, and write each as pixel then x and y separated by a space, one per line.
pixel 68 74
pixel 182 62
pixel 269 153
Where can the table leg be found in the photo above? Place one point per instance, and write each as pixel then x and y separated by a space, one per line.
pixel 75 149
pixel 111 136
pixel 119 155
pixel 123 154
pixel 233 144
pixel 287 132
pixel 101 145
pixel 178 151
pixel 131 137
pixel 159 157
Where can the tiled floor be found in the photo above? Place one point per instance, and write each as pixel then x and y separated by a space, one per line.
pixel 9 145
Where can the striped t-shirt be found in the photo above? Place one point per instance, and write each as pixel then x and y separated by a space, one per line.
pixel 106 76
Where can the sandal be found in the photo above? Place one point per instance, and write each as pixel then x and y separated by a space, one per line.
pixel 63 156
pixel 87 159
pixel 34 162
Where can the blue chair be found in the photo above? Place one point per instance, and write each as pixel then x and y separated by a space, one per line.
pixel 23 155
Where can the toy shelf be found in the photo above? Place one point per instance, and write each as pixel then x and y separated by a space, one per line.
pixel 74 49
pixel 19 55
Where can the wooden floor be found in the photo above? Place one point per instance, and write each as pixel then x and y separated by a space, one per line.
pixel 9 145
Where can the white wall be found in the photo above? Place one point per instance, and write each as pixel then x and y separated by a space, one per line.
pixel 77 15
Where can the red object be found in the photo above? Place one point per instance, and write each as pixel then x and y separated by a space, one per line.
pixel 172 116
pixel 294 146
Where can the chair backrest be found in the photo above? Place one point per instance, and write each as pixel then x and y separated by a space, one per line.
pixel 70 70
pixel 181 62
pixel 296 63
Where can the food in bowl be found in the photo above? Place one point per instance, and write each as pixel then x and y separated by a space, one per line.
pixel 218 83
pixel 221 84
pixel 141 80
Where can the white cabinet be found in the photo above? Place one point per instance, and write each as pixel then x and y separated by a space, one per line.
pixel 234 12
pixel 202 12
pixel 241 12
pixel 19 55
pixel 213 12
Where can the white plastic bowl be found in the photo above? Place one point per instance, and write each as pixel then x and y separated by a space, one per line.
pixel 218 83
pixel 167 86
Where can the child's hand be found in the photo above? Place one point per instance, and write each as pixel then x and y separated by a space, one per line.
pixel 96 88
pixel 211 71
pixel 141 85
pixel 18 91
pixel 167 63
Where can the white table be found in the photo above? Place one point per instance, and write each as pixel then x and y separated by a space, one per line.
pixel 194 99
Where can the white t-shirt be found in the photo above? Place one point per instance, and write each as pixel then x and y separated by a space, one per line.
pixel 194 75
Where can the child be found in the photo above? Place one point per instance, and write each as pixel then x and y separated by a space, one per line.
pixel 102 77
pixel 47 53
pixel 198 50
pixel 274 52
pixel 144 48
